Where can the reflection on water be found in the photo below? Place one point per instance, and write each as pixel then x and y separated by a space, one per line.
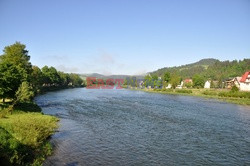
pixel 122 127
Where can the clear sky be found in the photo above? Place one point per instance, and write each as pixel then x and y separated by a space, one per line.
pixel 126 36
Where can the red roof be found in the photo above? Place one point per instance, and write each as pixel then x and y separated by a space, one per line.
pixel 187 80
pixel 244 77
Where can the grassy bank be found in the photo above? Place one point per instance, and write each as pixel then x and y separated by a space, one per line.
pixel 242 98
pixel 24 134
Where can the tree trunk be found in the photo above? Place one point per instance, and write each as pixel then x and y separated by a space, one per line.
pixel 3 100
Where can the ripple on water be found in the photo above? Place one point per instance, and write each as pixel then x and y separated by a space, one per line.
pixel 121 127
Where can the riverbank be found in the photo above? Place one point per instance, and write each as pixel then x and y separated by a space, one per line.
pixel 242 98
pixel 24 134
pixel 24 131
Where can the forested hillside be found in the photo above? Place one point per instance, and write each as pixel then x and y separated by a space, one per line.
pixel 209 68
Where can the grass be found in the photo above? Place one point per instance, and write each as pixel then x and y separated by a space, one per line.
pixel 24 135
pixel 242 98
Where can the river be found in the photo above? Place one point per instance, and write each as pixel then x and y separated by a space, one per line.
pixel 125 127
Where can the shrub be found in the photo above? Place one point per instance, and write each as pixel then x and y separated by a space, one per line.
pixel 183 91
pixel 210 93
pixel 235 94
pixel 23 138
pixel 234 89
pixel 167 90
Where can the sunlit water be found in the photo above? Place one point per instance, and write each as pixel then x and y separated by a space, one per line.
pixel 123 127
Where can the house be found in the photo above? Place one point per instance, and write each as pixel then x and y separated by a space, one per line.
pixel 229 83
pixel 169 86
pixel 207 85
pixel 245 81
pixel 236 81
pixel 180 86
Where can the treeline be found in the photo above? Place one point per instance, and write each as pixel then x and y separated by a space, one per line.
pixel 209 69
pixel 20 80
pixel 227 69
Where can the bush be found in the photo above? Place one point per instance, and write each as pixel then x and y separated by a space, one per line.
pixel 234 89
pixel 30 128
pixel 235 94
pixel 183 91
pixel 167 90
pixel 23 138
pixel 210 93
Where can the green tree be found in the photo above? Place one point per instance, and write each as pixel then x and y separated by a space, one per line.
pixel 51 77
pixel 234 89
pixel 24 93
pixel 10 80
pixel 148 80
pixel 198 81
pixel 188 84
pixel 36 77
pixel 175 80
pixel 14 69
pixel 75 80
pixel 17 55
pixel 64 78
pixel 166 77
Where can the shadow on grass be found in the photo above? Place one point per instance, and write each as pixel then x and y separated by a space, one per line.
pixel 12 151
pixel 27 107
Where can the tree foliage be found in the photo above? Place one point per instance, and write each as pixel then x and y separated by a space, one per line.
pixel 210 69
pixel 24 93
pixel 18 78
pixel 175 80
pixel 198 81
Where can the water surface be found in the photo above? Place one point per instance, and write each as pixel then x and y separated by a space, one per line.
pixel 123 127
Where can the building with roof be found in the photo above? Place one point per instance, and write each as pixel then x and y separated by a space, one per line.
pixel 245 82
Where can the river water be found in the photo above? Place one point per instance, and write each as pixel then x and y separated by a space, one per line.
pixel 124 127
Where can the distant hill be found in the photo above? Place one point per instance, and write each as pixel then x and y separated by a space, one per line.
pixel 209 68
pixel 108 76
pixel 187 70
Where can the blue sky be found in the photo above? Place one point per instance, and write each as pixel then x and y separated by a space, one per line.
pixel 126 36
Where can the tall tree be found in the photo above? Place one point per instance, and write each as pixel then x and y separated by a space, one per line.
pixel 10 80
pixel 175 80
pixel 36 77
pixel 166 77
pixel 198 81
pixel 17 55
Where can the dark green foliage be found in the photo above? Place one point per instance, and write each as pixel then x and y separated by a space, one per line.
pixel 167 90
pixel 234 89
pixel 209 69
pixel 198 81
pixel 15 68
pixel 10 80
pixel 36 78
pixel 166 77
pixel 187 71
pixel 183 91
pixel 210 93
pixel 17 55
pixel 188 84
pixel 235 94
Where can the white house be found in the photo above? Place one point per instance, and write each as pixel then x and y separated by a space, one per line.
pixel 180 86
pixel 169 86
pixel 207 85
pixel 245 82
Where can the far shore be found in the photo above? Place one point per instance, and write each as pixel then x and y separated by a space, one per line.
pixel 205 93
